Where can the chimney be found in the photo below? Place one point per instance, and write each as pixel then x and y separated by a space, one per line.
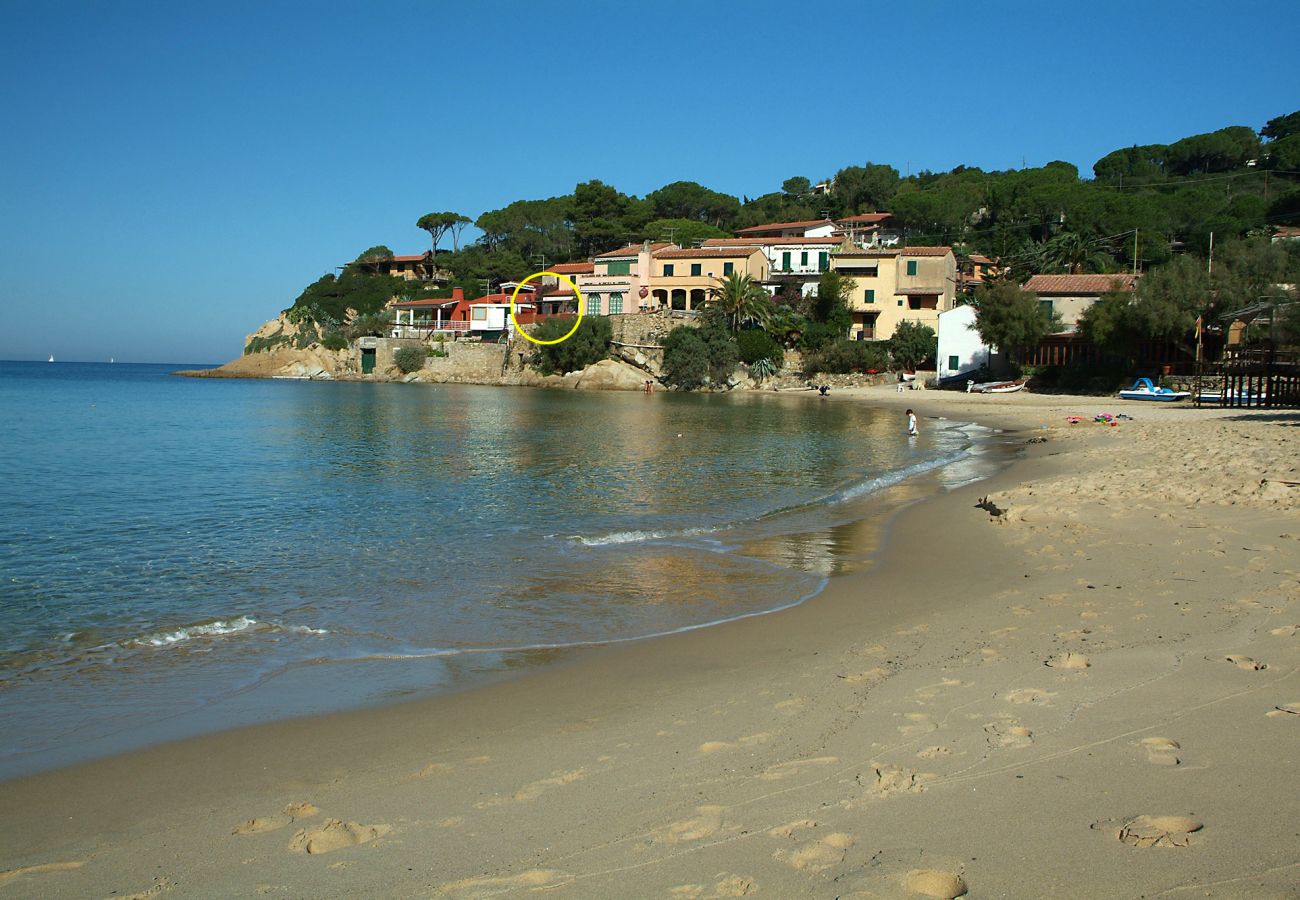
pixel 458 294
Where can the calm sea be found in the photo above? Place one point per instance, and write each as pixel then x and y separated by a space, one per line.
pixel 179 555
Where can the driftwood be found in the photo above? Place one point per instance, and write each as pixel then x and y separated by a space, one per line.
pixel 990 507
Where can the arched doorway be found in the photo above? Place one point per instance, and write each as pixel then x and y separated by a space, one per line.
pixel 679 298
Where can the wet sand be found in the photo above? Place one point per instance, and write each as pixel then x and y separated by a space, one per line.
pixel 1086 687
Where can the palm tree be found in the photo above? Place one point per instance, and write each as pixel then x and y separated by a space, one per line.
pixel 1073 252
pixel 741 299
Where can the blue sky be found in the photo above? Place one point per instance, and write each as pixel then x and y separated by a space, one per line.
pixel 175 174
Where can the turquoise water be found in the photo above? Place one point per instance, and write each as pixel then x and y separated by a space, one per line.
pixel 179 555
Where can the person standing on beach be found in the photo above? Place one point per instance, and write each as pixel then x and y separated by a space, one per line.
pixel 911 424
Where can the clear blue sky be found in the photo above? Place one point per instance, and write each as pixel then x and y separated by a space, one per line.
pixel 176 173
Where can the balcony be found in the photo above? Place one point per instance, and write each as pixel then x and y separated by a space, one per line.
pixel 421 330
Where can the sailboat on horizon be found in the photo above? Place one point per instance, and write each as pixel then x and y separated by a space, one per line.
pixel 51 357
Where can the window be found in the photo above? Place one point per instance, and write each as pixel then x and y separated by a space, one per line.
pixel 953 363
pixel 785 261
pixel 823 261
pixel 619 268
pixel 803 259
pixel 668 270
pixel 728 268
pixel 695 268
pixel 478 313
pixel 911 267
pixel 869 295
pixel 593 304
pixel 615 304
pixel 900 301
pixel 1046 307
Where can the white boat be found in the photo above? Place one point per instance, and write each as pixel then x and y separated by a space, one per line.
pixel 1143 389
pixel 51 357
pixel 996 387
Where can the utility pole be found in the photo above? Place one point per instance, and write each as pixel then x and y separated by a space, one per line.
pixel 542 258
pixel 1209 269
pixel 1135 250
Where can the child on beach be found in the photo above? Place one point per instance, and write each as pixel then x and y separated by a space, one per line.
pixel 911 424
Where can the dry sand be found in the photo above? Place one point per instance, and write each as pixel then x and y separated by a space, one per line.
pixel 1091 694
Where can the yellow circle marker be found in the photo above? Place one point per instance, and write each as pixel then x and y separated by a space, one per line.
pixel 519 329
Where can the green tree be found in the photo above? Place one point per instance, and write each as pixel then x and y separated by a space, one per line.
pixel 796 187
pixel 409 359
pixel 694 357
pixel 912 344
pixel 754 344
pixel 439 223
pixel 1010 319
pixel 831 304
pixel 589 344
pixel 741 299
pixel 688 200
pixel 683 232
pixel 866 188
pixel 375 254
pixel 1282 126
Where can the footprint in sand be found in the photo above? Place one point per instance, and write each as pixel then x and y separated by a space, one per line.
pixel 535 789
pixel 748 741
pixel 478 888
pixel 729 886
pixel 1246 663
pixel 796 767
pixel 934 883
pixel 933 752
pixel 1285 711
pixel 1031 695
pixel 1161 751
pixel 1068 661
pixel 706 824
pixel 40 869
pixel 788 829
pixel 434 770
pixel 1285 630
pixel 917 724
pixel 287 816
pixel 818 855
pixel 883 780
pixel 336 834
pixel 1158 831
pixel 868 677
pixel 1008 735
pixel 921 628
pixel 789 707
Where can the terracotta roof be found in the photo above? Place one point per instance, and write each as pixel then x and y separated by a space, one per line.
pixel 919 291
pixel 882 253
pixel 980 258
pixel 925 251
pixel 1287 231
pixel 421 304
pixel 867 218
pixel 1080 284
pixel 632 250
pixel 774 226
pixel 776 241
pixel 415 258
pixel 708 253
pixel 573 268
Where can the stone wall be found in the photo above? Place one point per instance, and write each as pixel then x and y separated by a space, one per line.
pixel 466 362
pixel 648 329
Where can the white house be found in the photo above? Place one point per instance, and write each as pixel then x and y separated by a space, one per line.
pixel 960 347
pixel 811 228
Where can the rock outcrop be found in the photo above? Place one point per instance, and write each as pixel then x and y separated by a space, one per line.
pixel 611 375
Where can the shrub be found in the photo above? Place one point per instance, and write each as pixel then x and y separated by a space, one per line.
pixel 589 344
pixel 334 341
pixel 820 334
pixel 260 344
pixel 756 344
pixel 846 356
pixel 409 359
pixel 694 357
pixel 763 368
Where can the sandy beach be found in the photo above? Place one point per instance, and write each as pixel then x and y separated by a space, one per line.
pixel 1085 687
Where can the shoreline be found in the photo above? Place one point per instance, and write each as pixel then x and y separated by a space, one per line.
pixel 781 752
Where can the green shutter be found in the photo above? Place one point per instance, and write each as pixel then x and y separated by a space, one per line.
pixel 668 270
pixel 911 267
pixel 695 268
pixel 785 261
pixel 620 268
pixel 823 261
pixel 803 259
pixel 870 295
pixel 728 268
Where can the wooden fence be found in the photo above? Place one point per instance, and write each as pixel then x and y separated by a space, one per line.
pixel 1251 379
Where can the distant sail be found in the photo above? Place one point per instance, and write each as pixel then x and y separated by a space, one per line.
pixel 51 357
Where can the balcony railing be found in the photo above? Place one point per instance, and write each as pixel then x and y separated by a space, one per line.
pixel 423 329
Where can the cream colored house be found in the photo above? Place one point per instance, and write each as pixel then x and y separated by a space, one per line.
pixel 680 279
pixel 620 280
pixel 910 284
pixel 1070 295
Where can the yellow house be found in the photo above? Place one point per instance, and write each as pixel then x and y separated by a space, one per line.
pixel 680 279
pixel 620 280
pixel 909 284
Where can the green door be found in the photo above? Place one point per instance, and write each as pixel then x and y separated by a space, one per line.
pixel 785 262
pixel 367 361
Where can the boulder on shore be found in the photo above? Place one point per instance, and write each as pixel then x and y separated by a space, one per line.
pixel 611 375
